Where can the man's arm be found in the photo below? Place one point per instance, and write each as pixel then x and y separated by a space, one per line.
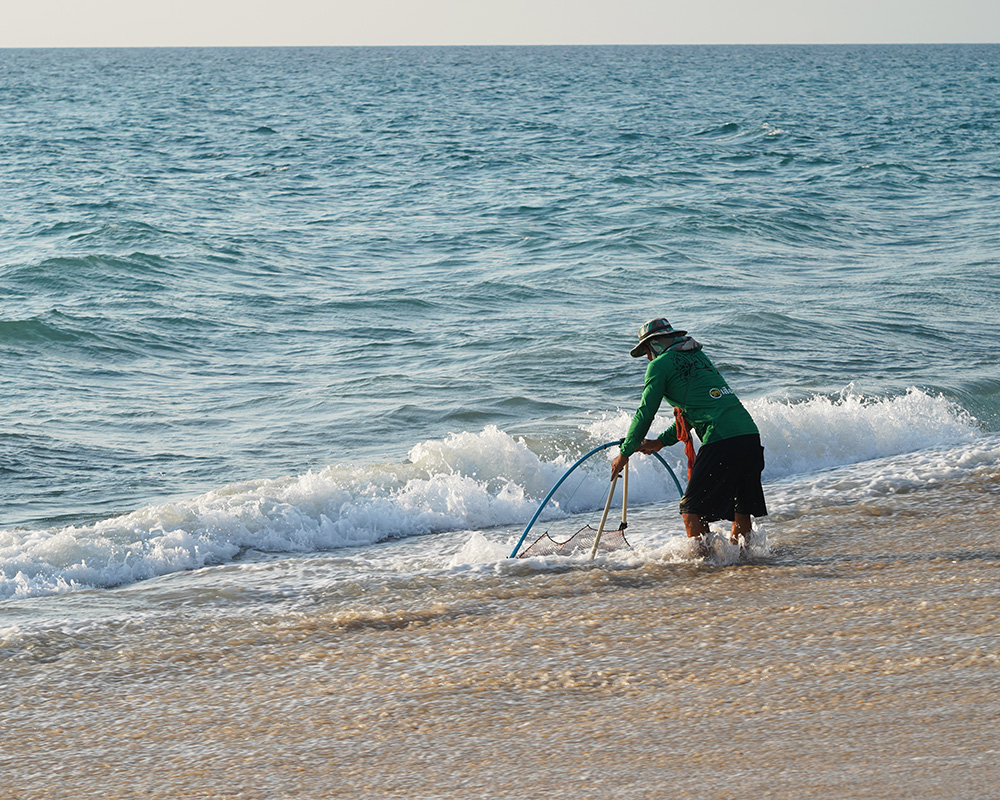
pixel 652 396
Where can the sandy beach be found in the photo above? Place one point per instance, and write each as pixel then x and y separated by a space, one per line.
pixel 853 662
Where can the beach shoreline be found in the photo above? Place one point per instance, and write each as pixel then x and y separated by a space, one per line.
pixel 863 663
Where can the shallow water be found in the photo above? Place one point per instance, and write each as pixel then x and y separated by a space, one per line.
pixel 858 657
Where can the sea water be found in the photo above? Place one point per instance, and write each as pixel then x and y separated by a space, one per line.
pixel 295 341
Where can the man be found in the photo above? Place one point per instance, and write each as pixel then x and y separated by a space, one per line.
pixel 724 482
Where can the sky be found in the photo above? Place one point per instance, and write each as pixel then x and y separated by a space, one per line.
pixel 181 23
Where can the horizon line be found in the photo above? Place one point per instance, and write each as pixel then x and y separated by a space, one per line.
pixel 480 45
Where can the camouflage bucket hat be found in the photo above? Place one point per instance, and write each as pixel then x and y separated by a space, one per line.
pixel 653 330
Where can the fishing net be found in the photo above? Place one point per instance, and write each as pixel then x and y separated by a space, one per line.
pixel 583 539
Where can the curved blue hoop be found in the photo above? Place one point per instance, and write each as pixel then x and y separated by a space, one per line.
pixel 559 483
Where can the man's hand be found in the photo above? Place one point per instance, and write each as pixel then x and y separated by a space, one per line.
pixel 617 465
pixel 650 446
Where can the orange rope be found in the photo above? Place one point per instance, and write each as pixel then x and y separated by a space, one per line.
pixel 684 435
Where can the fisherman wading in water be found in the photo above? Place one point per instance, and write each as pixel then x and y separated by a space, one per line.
pixel 724 480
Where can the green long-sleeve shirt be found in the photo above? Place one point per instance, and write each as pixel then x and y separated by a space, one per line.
pixel 688 380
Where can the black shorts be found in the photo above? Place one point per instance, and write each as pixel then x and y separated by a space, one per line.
pixel 725 480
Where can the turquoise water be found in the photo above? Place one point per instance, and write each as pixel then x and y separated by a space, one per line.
pixel 295 341
pixel 275 301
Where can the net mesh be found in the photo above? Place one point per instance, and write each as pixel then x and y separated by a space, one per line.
pixel 545 545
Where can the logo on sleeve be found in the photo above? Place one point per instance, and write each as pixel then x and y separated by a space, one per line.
pixel 715 394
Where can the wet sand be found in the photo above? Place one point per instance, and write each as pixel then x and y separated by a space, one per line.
pixel 860 660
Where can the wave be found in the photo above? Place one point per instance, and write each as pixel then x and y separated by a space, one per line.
pixel 824 431
pixel 466 481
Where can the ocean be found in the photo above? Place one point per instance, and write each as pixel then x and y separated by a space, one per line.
pixel 296 341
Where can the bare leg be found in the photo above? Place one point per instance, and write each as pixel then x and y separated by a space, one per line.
pixel 741 527
pixel 695 525
pixel 697 528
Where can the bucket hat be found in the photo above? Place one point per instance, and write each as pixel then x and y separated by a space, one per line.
pixel 652 330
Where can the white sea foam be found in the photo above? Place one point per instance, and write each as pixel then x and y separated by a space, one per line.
pixel 484 480
pixel 823 432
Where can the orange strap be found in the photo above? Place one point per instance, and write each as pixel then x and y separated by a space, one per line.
pixel 684 435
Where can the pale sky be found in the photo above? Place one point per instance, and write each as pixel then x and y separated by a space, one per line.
pixel 149 23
